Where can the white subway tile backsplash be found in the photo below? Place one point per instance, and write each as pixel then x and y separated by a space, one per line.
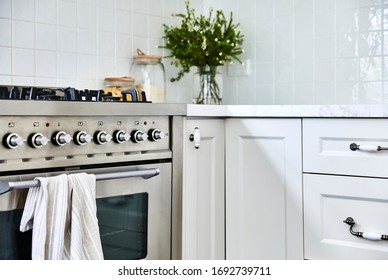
pixel 283 72
pixel 347 44
pixel 46 37
pixel 140 25
pixel 87 15
pixel 304 26
pixel 302 51
pixel 67 39
pixel 5 61
pixel 23 10
pixel 23 62
pixel 123 45
pixel 324 93
pixel 370 18
pixel 23 34
pixel 324 46
pixel 304 71
pixel 304 93
pixel 283 94
pixel 46 63
pixel 67 13
pixel 87 41
pixel 6 8
pixel 264 73
pixel 155 27
pixel 324 22
pixel 86 67
pixel 23 80
pixel 370 43
pixel 45 82
pixel 140 6
pixel 106 3
pixel 138 43
pixel 283 8
pixel 371 68
pixel 155 8
pixel 347 21
pixel 123 22
pixel 5 32
pixel 324 70
pixel 346 4
pixel 347 70
pixel 123 66
pixel 106 67
pixel 370 93
pixel 67 65
pixel 105 19
pixel 125 5
pixel 303 6
pixel 6 79
pixel 106 44
pixel 303 48
pixel 46 11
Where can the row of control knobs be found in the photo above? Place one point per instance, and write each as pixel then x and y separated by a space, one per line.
pixel 61 138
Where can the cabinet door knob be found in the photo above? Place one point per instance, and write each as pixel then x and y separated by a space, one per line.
pixel 196 138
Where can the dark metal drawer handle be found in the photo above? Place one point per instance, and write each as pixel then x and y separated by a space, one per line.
pixel 366 235
pixel 366 148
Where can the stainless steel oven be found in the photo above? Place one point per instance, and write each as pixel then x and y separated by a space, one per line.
pixel 130 153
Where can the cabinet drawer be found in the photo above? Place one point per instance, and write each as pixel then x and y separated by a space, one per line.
pixel 326 146
pixel 328 201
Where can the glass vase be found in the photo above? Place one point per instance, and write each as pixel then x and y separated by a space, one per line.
pixel 207 85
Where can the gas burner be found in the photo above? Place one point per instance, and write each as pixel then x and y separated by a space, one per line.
pixel 67 94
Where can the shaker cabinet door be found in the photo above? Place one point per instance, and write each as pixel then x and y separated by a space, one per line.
pixel 264 189
pixel 203 226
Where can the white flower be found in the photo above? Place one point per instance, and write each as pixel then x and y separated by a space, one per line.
pixel 216 39
pixel 204 44
pixel 220 54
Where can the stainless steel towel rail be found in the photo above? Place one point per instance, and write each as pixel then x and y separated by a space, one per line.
pixel 144 173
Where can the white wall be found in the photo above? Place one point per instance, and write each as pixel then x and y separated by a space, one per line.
pixel 312 51
pixel 78 43
pixel 302 51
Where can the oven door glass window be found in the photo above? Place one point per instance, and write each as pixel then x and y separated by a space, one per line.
pixel 14 244
pixel 123 226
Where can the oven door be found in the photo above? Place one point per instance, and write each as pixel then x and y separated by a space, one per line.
pixel 134 214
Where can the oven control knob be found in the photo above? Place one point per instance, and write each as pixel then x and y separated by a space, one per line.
pixel 82 138
pixel 121 136
pixel 13 140
pixel 61 138
pixel 139 136
pixel 38 140
pixel 156 135
pixel 101 137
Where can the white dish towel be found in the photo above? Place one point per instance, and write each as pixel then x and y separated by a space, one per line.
pixel 62 215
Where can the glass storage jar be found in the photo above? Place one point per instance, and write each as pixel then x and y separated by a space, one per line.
pixel 122 88
pixel 148 72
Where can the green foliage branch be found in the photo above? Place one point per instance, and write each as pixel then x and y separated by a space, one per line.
pixel 201 41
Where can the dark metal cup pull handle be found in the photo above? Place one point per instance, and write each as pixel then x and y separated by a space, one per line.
pixel 366 235
pixel 366 148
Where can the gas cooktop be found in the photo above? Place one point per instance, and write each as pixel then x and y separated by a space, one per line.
pixel 68 94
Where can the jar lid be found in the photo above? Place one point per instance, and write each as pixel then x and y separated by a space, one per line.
pixel 146 58
pixel 120 79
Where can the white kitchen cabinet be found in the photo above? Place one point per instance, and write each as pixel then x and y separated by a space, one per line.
pixel 341 182
pixel 264 189
pixel 329 201
pixel 203 226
